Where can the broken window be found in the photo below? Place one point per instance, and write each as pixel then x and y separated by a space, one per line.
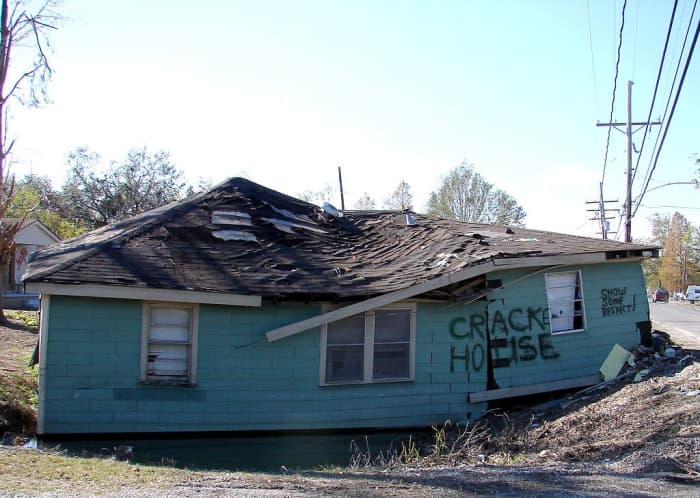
pixel 377 346
pixel 565 302
pixel 168 343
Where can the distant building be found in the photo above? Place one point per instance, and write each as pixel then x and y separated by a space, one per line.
pixel 32 235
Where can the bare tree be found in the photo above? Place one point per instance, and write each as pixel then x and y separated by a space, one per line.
pixel 24 30
pixel 365 202
pixel 401 198
pixel 326 194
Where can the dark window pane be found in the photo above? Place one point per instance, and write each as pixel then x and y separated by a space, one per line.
pixel 391 361
pixel 347 331
pixel 344 363
pixel 392 325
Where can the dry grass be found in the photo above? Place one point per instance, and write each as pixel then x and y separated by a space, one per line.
pixel 18 382
pixel 35 471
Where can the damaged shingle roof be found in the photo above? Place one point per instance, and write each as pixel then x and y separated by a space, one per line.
pixel 243 238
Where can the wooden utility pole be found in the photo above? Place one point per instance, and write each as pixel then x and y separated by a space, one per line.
pixel 342 195
pixel 601 214
pixel 628 131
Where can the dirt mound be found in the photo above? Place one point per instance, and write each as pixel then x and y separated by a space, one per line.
pixel 646 420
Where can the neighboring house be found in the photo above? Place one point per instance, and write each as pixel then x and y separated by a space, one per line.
pixel 32 235
pixel 243 309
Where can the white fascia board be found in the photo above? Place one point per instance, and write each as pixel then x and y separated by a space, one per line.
pixel 565 259
pixel 376 302
pixel 43 350
pixel 144 294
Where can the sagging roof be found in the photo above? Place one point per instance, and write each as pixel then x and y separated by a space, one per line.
pixel 243 238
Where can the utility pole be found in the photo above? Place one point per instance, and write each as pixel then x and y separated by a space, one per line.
pixel 601 214
pixel 342 196
pixel 628 131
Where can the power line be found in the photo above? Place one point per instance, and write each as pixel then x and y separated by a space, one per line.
pixel 636 31
pixel 656 87
pixel 695 208
pixel 647 175
pixel 612 104
pixel 670 117
pixel 590 44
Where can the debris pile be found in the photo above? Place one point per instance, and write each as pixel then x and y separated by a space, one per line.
pixel 644 419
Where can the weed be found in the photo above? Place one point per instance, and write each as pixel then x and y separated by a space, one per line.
pixel 30 319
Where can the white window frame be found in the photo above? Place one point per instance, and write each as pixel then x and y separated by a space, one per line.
pixel 191 378
pixel 552 305
pixel 368 361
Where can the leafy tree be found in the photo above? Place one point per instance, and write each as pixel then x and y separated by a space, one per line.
pixel 659 233
pixel 35 197
pixel 24 30
pixel 466 196
pixel 140 182
pixel 679 264
pixel 365 202
pixel 401 198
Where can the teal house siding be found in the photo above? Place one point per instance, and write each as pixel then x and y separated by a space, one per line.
pixel 244 383
pixel 524 350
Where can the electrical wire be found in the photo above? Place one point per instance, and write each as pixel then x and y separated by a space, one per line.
pixel 612 104
pixel 656 88
pixel 647 175
pixel 590 44
pixel 670 117
pixel 636 32
pixel 694 208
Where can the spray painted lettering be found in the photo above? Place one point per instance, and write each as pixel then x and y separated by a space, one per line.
pixel 508 346
pixel 516 320
pixel 475 357
pixel 525 348
pixel 613 301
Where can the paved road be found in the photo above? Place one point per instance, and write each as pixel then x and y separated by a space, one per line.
pixel 681 320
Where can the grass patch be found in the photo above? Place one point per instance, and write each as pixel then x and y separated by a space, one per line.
pixel 35 472
pixel 30 319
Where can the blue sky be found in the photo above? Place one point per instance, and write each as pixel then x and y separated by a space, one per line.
pixel 286 91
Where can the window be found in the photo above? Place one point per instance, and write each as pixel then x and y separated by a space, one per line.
pixel 169 341
pixel 565 301
pixel 377 346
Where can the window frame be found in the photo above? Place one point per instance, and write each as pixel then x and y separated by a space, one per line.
pixel 577 286
pixel 368 353
pixel 191 378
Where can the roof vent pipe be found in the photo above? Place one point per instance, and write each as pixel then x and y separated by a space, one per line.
pixel 330 209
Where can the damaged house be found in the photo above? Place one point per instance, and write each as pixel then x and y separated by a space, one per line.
pixel 243 309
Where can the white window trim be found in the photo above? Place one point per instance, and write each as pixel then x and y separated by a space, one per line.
pixel 583 305
pixel 368 361
pixel 194 333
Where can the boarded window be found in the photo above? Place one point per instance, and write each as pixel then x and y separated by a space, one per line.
pixel 169 339
pixel 376 346
pixel 565 301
